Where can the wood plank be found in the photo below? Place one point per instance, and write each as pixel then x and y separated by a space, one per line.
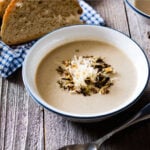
pixel 139 32
pixel 0 88
pixel 21 118
pixel 58 131
pixel 113 13
pixel 2 119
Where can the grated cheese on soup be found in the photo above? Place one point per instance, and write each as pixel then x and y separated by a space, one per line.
pixel 80 68
pixel 85 75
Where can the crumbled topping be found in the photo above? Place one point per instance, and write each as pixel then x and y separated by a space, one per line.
pixel 19 4
pixel 85 75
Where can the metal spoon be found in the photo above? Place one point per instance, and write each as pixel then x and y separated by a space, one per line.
pixel 143 114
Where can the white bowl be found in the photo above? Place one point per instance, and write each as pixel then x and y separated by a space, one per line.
pixel 85 32
pixel 144 17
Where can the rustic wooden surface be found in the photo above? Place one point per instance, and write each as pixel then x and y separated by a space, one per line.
pixel 24 125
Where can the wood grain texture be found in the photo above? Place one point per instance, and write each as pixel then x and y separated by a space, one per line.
pixel 113 13
pixel 139 32
pixel 21 118
pixel 0 88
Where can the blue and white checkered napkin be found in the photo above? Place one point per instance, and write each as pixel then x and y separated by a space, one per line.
pixel 12 57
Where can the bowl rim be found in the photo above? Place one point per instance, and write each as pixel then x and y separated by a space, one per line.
pixel 93 116
pixel 137 10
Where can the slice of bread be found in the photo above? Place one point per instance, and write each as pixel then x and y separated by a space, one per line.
pixel 26 20
pixel 3 6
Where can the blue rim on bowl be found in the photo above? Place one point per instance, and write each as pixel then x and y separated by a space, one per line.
pixel 137 10
pixel 84 117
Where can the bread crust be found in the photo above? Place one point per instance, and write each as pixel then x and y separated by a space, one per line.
pixel 7 16
pixel 3 6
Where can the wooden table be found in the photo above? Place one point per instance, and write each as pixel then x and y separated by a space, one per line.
pixel 24 125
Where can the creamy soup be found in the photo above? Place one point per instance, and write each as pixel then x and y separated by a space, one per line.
pixel 124 82
pixel 143 5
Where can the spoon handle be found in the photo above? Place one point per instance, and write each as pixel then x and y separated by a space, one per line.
pixel 143 114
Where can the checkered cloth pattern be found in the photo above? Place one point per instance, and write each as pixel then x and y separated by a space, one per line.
pixel 12 57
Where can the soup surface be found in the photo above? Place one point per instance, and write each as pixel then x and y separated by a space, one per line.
pixel 120 92
pixel 143 5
